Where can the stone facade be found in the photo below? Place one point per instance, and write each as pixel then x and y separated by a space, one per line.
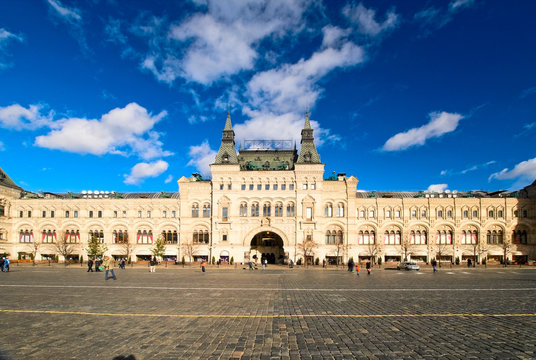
pixel 273 204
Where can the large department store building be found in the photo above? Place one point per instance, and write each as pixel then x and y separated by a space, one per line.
pixel 270 200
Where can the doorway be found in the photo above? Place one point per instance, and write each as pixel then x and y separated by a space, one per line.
pixel 267 245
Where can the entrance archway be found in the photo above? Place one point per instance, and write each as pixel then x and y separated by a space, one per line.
pixel 267 245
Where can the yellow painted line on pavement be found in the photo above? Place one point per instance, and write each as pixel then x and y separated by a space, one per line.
pixel 256 316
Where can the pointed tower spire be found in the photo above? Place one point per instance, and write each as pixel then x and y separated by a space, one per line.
pixel 227 153
pixel 308 152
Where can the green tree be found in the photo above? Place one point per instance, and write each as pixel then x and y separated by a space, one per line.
pixel 159 247
pixel 95 248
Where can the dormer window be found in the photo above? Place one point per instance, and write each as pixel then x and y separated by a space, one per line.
pixel 225 158
pixel 307 157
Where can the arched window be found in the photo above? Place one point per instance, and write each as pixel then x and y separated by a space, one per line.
pixel 98 234
pixel 255 209
pixel 243 209
pixel 195 210
pixel 340 210
pixel 145 237
pixel 328 210
pixel 267 210
pixel 72 236
pixel 120 237
pixel 206 210
pixel 278 209
pixel 339 239
pixel 392 237
pixel 2 210
pixel 49 236
pixel 417 237
pixel 290 210
pixel 26 236
pixel 328 237
pixel 366 237
pixel 170 237
pixel 444 237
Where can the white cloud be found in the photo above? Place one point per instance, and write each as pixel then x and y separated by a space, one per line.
pixel 437 188
pixel 440 123
pixel 168 179
pixel 333 35
pixel 5 38
pixel 73 18
pixel 221 42
pixel 71 15
pixel 459 4
pixel 365 19
pixel 293 87
pixel 120 131
pixel 525 170
pixel 144 170
pixel 201 157
pixel 16 117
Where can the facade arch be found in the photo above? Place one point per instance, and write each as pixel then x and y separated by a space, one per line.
pixel 246 241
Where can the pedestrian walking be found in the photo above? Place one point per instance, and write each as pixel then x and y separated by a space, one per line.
pixel 2 263
pixel 6 264
pixel 109 266
pixel 90 265
pixel 351 265
pixel 152 265
pixel 357 269
pixel 98 263
pixel 122 264
pixel 367 266
pixel 203 265
pixel 264 261
pixel 434 265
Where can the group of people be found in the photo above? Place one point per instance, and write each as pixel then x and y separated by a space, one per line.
pixel 357 267
pixel 4 264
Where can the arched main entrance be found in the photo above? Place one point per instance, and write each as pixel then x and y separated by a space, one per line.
pixel 267 245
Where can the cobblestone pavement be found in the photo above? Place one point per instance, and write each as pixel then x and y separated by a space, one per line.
pixel 175 313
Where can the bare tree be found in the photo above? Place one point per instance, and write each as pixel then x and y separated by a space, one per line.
pixel 64 247
pixel 406 246
pixel 507 248
pixel 188 249
pixel 374 250
pixel 307 248
pixel 126 246
pixel 34 248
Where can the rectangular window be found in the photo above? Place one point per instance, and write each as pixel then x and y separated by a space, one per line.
pixel 250 186
pixel 224 237
pixel 309 213
pixel 221 186
pixel 229 187
pixel 75 214
pixel 291 186
pixel 388 213
pixel 371 214
pixel 52 213
pixel 243 187
pixel 115 213
pixel 397 214
pixel 139 214
pixel 304 186
pixel 124 214
pixel 67 214
pixel 475 213
pixel 283 186
pixel 99 213
pixel 267 187
pixel 362 214
pixel 173 213
pixel 44 213
pixel 313 186
pixel 224 213
pixel 164 213
pixel 259 187
pixel 413 214
pixel 21 213
pixel 423 214
pixel 275 187
pixel 500 213
pixel 91 213
pixel 148 214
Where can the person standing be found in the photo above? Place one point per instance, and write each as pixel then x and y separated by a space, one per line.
pixel 264 261
pixel 90 265
pixel 434 265
pixel 367 266
pixel 2 260
pixel 109 266
pixel 6 264
pixel 152 265
pixel 203 265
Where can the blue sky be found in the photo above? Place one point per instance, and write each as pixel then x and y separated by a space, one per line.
pixel 132 95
